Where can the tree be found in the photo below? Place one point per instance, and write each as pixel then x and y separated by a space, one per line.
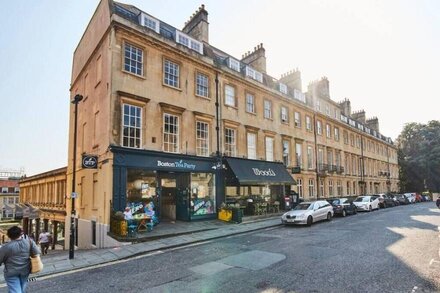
pixel 419 157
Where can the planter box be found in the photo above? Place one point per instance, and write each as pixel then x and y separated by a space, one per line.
pixel 118 227
pixel 225 215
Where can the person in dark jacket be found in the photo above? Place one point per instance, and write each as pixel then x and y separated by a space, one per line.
pixel 438 202
pixel 15 256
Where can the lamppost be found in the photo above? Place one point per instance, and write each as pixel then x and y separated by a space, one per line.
pixel 75 101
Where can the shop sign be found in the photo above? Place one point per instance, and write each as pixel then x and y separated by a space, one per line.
pixel 177 164
pixel 268 172
pixel 89 161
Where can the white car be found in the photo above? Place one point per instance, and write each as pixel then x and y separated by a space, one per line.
pixel 308 213
pixel 411 197
pixel 367 203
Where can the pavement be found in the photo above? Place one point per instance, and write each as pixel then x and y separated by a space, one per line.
pixel 184 233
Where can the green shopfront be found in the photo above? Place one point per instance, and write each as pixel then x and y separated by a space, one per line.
pixel 176 186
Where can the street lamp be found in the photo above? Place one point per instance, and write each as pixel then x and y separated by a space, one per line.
pixel 75 101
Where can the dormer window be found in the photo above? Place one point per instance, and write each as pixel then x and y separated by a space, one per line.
pixel 298 95
pixel 234 64
pixel 252 73
pixel 149 22
pixel 283 88
pixel 189 42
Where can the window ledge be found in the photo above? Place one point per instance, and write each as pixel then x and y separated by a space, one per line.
pixel 134 74
pixel 172 87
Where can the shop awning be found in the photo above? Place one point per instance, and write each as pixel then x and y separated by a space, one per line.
pixel 254 172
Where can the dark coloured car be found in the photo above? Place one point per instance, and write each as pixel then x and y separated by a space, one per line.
pixel 385 201
pixel 402 199
pixel 343 206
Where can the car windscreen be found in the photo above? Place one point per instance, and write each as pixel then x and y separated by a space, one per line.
pixel 302 206
pixel 362 199
pixel 335 201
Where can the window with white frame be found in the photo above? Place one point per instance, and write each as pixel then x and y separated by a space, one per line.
pixel 330 157
pixel 299 184
pixel 170 133
pixel 171 73
pixel 330 187
pixel 327 110
pixel 283 88
pixel 252 145
pixel 230 96
pixel 250 103
pixel 308 123
pixel 4 190
pixel 336 134
pixel 318 127
pixel 321 188
pixel 16 189
pixel 298 154
pixel 234 64
pixel 267 109
pixel 339 187
pixel 202 146
pixel 150 22
pixel 269 148
pixel 202 85
pixel 252 73
pixel 328 130
pixel 284 115
pixel 345 134
pixel 309 157
pixel 348 188
pixel 358 141
pixel 189 42
pixel 311 188
pixel 230 142
pixel 286 152
pixel 338 159
pixel 297 117
pixel 131 126
pixel 318 105
pixel 133 59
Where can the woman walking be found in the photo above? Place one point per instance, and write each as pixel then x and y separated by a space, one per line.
pixel 15 255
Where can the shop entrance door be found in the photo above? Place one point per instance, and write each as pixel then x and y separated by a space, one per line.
pixel 182 197
pixel 168 196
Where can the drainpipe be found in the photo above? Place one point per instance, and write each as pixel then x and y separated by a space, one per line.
pixel 364 184
pixel 316 156
pixel 217 118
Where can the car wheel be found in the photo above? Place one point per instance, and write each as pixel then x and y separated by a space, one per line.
pixel 329 216
pixel 370 208
pixel 309 221
pixel 344 213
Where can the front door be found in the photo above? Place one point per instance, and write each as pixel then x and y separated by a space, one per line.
pixel 182 197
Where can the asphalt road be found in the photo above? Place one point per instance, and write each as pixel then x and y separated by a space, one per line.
pixel 391 250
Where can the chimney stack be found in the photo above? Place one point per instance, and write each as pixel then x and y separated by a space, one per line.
pixel 373 123
pixel 292 79
pixel 198 26
pixel 359 116
pixel 320 89
pixel 345 106
pixel 256 58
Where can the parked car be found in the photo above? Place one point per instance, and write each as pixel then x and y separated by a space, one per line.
pixel 385 201
pixel 343 206
pixel 419 198
pixel 308 213
pixel 367 203
pixel 402 199
pixel 411 197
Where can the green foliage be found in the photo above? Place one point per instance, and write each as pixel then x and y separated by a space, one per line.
pixel 419 157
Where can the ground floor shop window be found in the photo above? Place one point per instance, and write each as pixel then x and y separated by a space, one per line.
pixel 256 200
pixel 202 194
pixel 141 194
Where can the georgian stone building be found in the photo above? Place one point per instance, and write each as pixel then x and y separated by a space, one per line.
pixel 184 126
pixel 44 204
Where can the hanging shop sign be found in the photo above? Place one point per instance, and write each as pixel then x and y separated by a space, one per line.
pixel 89 161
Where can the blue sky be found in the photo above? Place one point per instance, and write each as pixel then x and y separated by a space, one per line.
pixel 382 55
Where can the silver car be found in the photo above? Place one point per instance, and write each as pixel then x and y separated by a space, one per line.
pixel 307 213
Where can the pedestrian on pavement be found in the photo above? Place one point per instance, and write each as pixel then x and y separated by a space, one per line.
pixel 15 255
pixel 44 240
pixel 438 202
